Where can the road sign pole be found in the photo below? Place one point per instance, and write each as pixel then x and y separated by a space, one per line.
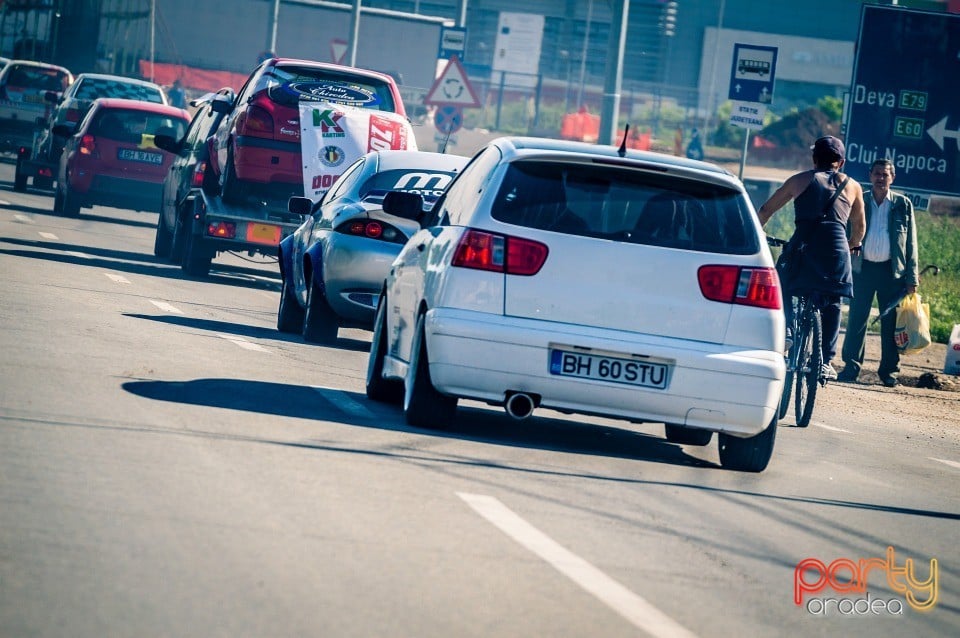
pixel 743 157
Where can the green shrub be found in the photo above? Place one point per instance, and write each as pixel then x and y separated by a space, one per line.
pixel 938 240
pixel 831 106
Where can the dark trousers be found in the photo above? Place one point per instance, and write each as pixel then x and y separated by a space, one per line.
pixel 829 307
pixel 874 279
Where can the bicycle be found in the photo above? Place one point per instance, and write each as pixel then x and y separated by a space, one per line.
pixel 804 356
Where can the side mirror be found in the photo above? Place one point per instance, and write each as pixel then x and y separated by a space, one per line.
pixel 63 130
pixel 302 206
pixel 221 106
pixel 403 204
pixel 52 96
pixel 167 143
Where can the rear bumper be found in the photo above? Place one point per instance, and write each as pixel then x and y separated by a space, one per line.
pixel 265 161
pixel 119 192
pixel 15 133
pixel 354 269
pixel 481 356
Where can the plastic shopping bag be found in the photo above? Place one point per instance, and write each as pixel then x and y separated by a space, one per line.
pixel 913 325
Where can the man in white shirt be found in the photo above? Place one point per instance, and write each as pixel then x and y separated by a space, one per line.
pixel 886 267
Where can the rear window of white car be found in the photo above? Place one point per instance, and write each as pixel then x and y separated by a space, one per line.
pixel 40 78
pixel 92 88
pixel 626 205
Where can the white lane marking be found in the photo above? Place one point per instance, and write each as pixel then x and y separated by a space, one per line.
pixel 344 403
pixel 243 343
pixel 76 253
pixel 632 607
pixel 20 218
pixel 48 235
pixel 120 279
pixel 164 306
pixel 950 463
pixel 829 427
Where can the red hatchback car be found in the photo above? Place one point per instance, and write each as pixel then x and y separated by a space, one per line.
pixel 110 158
pixel 256 149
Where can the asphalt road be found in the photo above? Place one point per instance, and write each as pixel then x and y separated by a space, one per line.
pixel 171 465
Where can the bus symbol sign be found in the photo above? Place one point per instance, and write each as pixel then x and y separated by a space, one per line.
pixel 752 73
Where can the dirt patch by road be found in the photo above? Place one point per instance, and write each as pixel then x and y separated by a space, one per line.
pixel 905 403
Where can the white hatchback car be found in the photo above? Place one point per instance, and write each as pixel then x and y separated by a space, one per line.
pixel 589 280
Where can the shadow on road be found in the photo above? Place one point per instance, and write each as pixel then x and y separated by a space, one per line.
pixel 245 330
pixel 85 215
pixel 474 424
pixel 139 263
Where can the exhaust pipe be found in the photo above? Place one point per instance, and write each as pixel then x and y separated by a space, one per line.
pixel 519 405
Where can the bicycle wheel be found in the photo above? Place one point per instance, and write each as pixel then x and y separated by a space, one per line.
pixel 791 361
pixel 809 362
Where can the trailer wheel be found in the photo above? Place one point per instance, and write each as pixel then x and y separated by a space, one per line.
pixel 19 177
pixel 196 257
pixel 163 241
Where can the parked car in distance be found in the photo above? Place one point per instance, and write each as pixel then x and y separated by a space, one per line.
pixel 28 91
pixel 257 146
pixel 190 168
pixel 334 265
pixel 110 158
pixel 41 157
pixel 589 280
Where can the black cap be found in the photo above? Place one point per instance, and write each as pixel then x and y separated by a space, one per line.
pixel 829 144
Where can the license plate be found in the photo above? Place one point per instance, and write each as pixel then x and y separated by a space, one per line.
pixel 647 374
pixel 131 155
pixel 263 234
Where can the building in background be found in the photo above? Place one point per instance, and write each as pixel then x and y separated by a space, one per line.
pixel 677 50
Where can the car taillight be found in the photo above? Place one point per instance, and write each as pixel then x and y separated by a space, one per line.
pixel 740 285
pixel 197 180
pixel 258 122
pixel 373 229
pixel 500 253
pixel 88 145
pixel 222 229
pixel 72 115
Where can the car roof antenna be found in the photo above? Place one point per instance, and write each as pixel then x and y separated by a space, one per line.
pixel 622 151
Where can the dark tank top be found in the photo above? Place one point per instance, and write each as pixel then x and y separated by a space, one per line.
pixel 825 264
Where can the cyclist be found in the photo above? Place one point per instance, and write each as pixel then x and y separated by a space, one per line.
pixel 826 202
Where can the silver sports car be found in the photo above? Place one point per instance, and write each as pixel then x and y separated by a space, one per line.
pixel 334 265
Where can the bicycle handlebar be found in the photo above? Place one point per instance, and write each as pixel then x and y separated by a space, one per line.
pixel 774 241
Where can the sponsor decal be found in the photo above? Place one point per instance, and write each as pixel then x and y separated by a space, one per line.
pixel 333 136
pixel 328 120
pixel 426 184
pixel 847 576
pixel 331 156
pixel 348 95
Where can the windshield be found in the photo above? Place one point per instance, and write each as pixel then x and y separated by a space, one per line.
pixel 626 205
pixel 36 77
pixel 131 126
pixel 290 84
pixel 93 88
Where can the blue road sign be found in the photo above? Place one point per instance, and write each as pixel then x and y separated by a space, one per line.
pixel 448 119
pixel 902 106
pixel 453 42
pixel 752 73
